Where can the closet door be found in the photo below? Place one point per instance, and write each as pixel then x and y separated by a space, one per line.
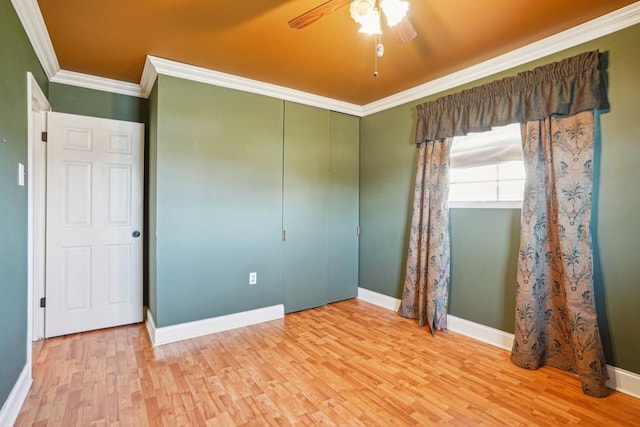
pixel 305 206
pixel 343 207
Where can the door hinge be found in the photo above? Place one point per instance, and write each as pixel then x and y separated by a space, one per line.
pixel 44 136
pixel 43 302
pixel 357 230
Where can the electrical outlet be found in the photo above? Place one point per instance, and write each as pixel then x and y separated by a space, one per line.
pixel 253 278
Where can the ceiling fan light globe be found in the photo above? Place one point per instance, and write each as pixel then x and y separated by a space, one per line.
pixel 360 10
pixel 371 24
pixel 394 11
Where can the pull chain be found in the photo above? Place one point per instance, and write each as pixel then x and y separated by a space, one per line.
pixel 378 52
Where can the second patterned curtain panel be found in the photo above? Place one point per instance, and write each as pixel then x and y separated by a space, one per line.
pixel 555 310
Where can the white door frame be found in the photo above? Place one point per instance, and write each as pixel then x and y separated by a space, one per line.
pixel 37 103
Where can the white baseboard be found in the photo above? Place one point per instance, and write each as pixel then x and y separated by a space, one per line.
pixel 150 322
pixel 624 381
pixel 378 299
pixel 169 334
pixel 619 379
pixel 486 334
pixel 15 400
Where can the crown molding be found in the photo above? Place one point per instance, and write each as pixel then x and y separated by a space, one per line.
pixel 148 78
pixel 31 19
pixel 98 83
pixel 204 75
pixel 591 30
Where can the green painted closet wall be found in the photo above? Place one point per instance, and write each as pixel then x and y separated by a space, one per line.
pixel 218 202
pixel 18 57
pixel 227 171
pixel 484 241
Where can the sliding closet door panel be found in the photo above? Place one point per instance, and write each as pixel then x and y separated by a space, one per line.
pixel 343 207
pixel 305 206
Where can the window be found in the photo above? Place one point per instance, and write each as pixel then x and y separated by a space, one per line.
pixel 487 169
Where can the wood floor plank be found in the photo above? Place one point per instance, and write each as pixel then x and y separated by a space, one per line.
pixel 346 364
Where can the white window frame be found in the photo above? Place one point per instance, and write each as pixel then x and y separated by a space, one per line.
pixel 493 204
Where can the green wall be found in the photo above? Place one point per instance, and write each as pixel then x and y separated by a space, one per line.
pixel 17 58
pixel 387 172
pixel 97 103
pixel 218 166
pixel 484 241
pixel 494 247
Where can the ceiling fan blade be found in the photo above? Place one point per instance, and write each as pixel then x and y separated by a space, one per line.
pixel 316 13
pixel 403 32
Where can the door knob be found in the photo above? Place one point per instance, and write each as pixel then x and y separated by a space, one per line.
pixel 136 233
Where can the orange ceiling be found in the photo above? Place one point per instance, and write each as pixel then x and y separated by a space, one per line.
pixel 251 38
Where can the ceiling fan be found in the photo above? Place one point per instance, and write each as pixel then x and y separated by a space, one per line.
pixel 368 14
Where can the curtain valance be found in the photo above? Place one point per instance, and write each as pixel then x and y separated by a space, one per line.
pixel 563 88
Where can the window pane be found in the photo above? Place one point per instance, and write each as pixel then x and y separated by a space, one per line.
pixel 478 173
pixel 473 192
pixel 511 170
pixel 511 190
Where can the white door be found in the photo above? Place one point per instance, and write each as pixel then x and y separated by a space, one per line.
pixel 94 223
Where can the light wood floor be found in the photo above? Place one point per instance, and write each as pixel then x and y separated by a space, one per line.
pixel 346 364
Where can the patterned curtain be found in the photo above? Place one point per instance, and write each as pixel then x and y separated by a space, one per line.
pixel 555 310
pixel 426 285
